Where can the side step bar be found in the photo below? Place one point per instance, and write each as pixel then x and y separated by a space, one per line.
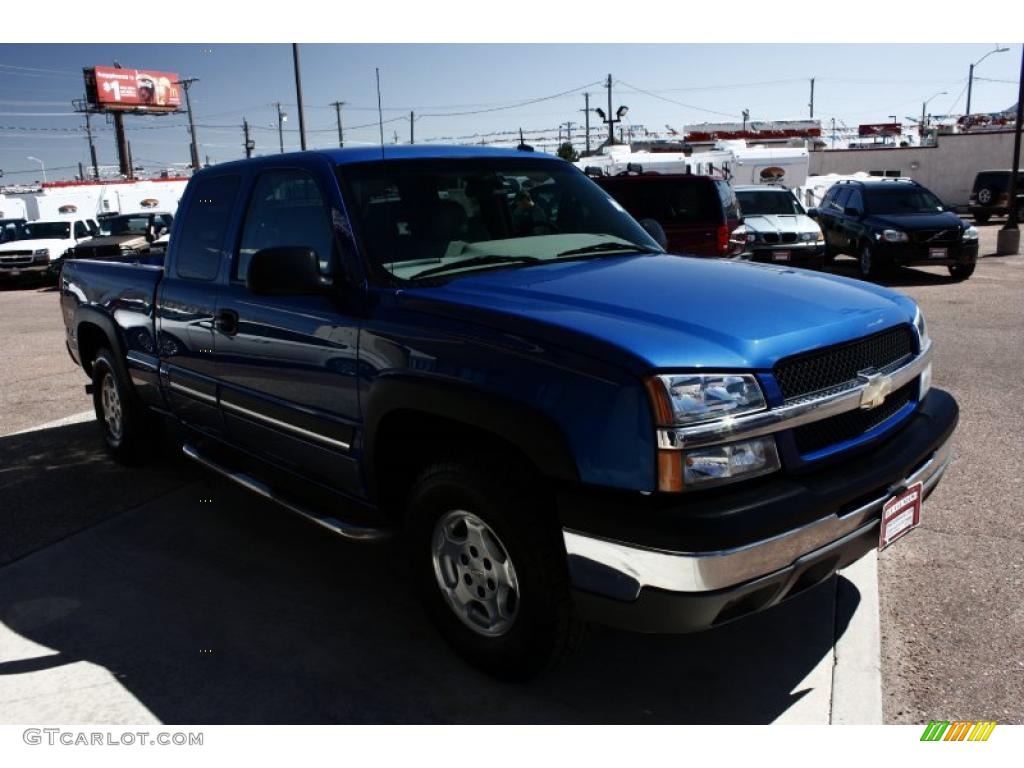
pixel 340 527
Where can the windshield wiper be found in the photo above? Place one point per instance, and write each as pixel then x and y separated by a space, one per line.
pixel 476 261
pixel 600 247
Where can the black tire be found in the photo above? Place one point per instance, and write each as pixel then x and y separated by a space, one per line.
pixel 961 272
pixel 981 218
pixel 867 263
pixel 124 430
pixel 522 526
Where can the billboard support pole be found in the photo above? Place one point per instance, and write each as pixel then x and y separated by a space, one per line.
pixel 122 146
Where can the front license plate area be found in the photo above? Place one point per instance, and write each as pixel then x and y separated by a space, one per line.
pixel 938 253
pixel 781 255
pixel 900 515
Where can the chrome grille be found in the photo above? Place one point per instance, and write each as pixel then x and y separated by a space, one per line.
pixel 836 367
pixel 847 426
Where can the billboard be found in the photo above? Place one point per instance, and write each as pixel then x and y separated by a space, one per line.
pixel 879 129
pixel 143 90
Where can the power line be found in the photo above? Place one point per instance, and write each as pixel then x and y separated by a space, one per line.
pixel 678 103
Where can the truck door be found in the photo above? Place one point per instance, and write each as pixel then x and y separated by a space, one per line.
pixel 187 301
pixel 287 364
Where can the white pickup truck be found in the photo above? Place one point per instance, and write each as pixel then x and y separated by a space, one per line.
pixel 40 246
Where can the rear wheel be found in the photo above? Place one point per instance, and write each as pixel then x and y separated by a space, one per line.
pixel 491 568
pixel 961 271
pixel 122 420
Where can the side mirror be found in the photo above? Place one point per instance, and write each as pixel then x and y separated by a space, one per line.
pixel 655 230
pixel 288 270
pixel 852 212
pixel 812 212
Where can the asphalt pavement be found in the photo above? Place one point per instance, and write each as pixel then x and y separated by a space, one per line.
pixel 164 594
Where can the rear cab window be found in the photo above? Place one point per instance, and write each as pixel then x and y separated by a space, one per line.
pixel 200 243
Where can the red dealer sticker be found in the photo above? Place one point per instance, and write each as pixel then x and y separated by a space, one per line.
pixel 900 515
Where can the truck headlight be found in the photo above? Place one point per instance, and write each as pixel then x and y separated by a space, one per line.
pixel 894 236
pixel 681 399
pixel 722 463
pixel 809 237
pixel 970 234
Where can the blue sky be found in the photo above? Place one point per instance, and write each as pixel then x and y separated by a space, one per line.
pixel 685 84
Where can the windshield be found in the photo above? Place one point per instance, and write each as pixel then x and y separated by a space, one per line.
pixel 765 203
pixel 45 230
pixel 897 201
pixel 125 225
pixel 419 218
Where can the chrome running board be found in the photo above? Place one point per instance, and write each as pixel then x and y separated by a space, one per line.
pixel 333 524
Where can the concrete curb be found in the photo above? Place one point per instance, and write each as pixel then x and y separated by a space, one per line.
pixel 857 669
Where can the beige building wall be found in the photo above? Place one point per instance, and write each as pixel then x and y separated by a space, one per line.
pixel 947 169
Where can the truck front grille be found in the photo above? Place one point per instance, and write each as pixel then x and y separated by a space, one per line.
pixel 837 366
pixel 16 258
pixel 817 435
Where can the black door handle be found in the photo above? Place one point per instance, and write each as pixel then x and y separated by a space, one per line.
pixel 226 322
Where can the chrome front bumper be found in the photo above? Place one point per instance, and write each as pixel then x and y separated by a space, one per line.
pixel 707 571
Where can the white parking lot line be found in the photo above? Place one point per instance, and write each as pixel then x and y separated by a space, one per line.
pixel 76 418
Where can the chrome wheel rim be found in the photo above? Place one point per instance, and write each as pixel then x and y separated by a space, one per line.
pixel 865 261
pixel 475 573
pixel 111 403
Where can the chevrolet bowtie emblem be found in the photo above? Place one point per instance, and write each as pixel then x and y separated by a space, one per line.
pixel 876 388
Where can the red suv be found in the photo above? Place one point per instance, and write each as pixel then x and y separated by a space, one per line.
pixel 698 213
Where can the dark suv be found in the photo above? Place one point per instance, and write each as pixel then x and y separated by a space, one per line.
pixel 990 195
pixel 894 222
pixel 698 213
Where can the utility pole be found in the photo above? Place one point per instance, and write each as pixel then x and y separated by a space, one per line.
pixel 833 133
pixel 337 109
pixel 298 95
pixel 412 129
pixel 746 116
pixel 186 85
pixel 249 143
pixel 811 104
pixel 81 172
pixel 92 147
pixel 569 125
pixel 586 118
pixel 611 125
pixel 281 117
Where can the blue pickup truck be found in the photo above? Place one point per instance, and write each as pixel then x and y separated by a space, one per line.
pixel 567 423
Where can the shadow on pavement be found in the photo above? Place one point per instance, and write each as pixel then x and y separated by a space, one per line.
pixel 900 277
pixel 210 605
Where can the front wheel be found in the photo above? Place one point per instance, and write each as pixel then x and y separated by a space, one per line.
pixel 961 271
pixel 491 568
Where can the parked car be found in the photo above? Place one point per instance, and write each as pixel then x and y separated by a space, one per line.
pixel 697 213
pixel 566 422
pixel 894 222
pixel 41 245
pixel 125 236
pixel 990 195
pixel 776 227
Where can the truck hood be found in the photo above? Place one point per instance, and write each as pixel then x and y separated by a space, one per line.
pixel 665 311
pixel 57 247
pixel 779 223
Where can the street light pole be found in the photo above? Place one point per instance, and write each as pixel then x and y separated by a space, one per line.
pixel 970 75
pixel 41 164
pixel 298 96
pixel 924 106
pixel 281 117
pixel 1008 240
pixel 185 85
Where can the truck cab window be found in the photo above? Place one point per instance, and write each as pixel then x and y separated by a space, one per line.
pixel 206 222
pixel 286 209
